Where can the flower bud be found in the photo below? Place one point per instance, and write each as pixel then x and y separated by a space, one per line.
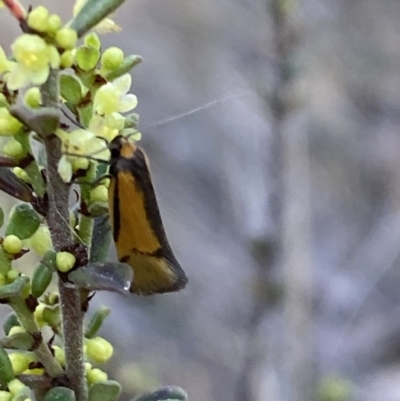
pixel 99 350
pixel 9 125
pixel 66 38
pixel 67 59
pixel 65 261
pixel 20 362
pixel 33 98
pixel 37 19
pixel 13 149
pixel 12 244
pixel 41 240
pixel 112 58
pixel 96 375
pixel 54 23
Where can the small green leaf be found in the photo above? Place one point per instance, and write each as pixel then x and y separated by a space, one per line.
pixel 20 341
pixel 10 322
pixel 104 391
pixel 87 58
pixel 41 280
pixel 13 289
pixel 101 239
pixel 92 13
pixel 52 315
pixel 15 187
pixel 6 371
pixel 71 88
pixel 105 276
pixel 23 222
pixel 129 62
pixel 85 114
pixel 164 394
pixel 96 321
pixel 59 394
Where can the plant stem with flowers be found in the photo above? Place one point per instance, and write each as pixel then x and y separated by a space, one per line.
pixel 50 72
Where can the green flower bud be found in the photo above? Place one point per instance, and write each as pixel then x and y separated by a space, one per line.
pixel 96 375
pixel 99 350
pixel 65 261
pixel 99 194
pixel 12 275
pixel 87 58
pixel 41 240
pixel 92 40
pixel 67 59
pixel 15 386
pixel 59 354
pixel 21 174
pixel 54 23
pixel 5 395
pixel 13 149
pixel 33 98
pixel 20 362
pixel 3 280
pixel 112 58
pixel 37 19
pixel 88 367
pixel 66 38
pixel 80 163
pixel 8 124
pixel 12 244
pixel 36 371
pixel 38 314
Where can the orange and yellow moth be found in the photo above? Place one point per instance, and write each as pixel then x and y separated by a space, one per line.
pixel 136 223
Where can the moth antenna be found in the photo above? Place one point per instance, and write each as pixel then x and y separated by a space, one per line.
pixel 196 109
pixel 68 117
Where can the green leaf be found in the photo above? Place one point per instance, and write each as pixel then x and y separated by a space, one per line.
pixel 6 371
pixel 96 321
pixel 10 322
pixel 71 88
pixel 92 13
pixel 20 341
pixel 164 394
pixel 13 186
pixel 87 58
pixel 41 280
pixel 129 62
pixel 104 391
pixel 105 276
pixel 85 114
pixel 13 289
pixel 23 222
pixel 101 238
pixel 59 394
pixel 1 217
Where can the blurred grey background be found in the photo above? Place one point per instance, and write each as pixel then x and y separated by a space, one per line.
pixel 273 133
